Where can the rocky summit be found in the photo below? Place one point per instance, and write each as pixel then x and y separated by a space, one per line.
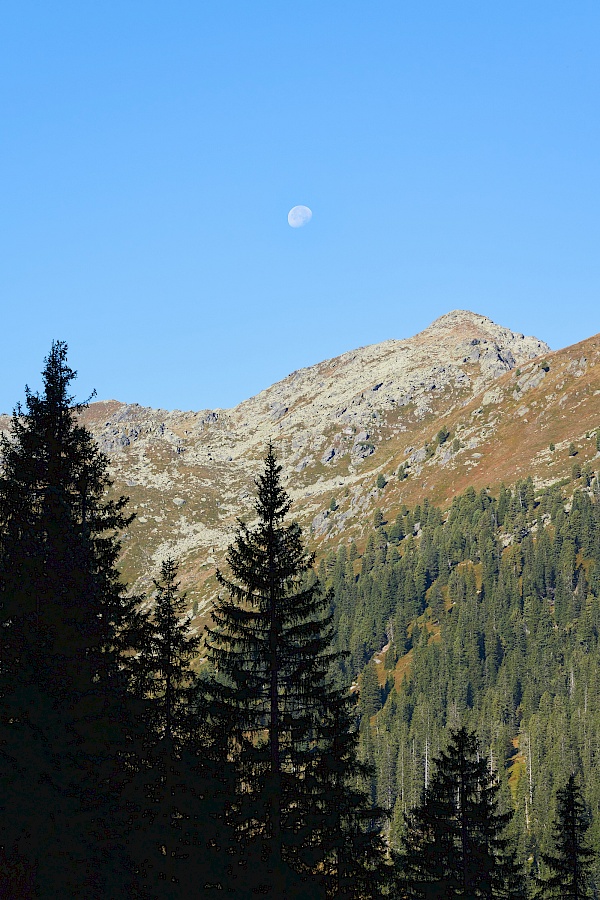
pixel 466 401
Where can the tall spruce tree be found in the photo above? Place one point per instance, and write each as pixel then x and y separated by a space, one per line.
pixel 177 836
pixel 454 844
pixel 570 864
pixel 67 631
pixel 271 648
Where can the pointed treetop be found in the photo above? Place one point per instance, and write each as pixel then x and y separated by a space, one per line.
pixel 272 502
pixel 57 376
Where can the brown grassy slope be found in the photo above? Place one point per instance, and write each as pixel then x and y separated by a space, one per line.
pixel 505 433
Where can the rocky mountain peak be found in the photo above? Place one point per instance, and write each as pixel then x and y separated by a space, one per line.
pixel 334 424
pixel 459 349
pixel 464 402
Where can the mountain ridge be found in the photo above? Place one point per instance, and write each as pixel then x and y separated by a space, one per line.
pixel 464 401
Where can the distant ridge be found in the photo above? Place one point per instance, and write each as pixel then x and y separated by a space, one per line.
pixel 465 401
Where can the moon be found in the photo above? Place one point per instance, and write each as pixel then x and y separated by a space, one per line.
pixel 299 216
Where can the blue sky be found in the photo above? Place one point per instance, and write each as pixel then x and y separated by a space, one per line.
pixel 150 152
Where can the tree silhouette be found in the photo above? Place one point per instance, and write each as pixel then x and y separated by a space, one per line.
pixel 454 844
pixel 346 828
pixel 271 647
pixel 178 835
pixel 68 638
pixel 570 864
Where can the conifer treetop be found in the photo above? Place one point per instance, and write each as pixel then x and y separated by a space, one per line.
pixel 272 502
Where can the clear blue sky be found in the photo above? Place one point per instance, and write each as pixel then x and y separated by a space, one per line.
pixel 150 152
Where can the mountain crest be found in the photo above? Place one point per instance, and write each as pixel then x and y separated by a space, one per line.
pixel 464 402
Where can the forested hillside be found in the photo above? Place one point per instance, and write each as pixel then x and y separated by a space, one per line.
pixel 371 732
pixel 486 616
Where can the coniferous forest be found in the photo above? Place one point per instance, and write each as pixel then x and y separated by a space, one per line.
pixel 419 719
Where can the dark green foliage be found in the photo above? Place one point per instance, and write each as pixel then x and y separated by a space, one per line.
pixel 370 693
pixel 442 436
pixel 569 864
pixel 381 482
pixel 177 801
pixel 271 648
pixel 68 635
pixel 572 449
pixel 454 844
pixel 169 654
pixel 349 841
pixel 498 605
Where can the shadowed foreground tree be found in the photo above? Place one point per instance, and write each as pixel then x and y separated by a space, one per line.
pixel 67 633
pixel 348 841
pixel 570 864
pixel 271 649
pixel 178 837
pixel 454 844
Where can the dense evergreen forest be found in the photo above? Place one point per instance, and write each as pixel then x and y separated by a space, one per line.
pixel 486 616
pixel 139 760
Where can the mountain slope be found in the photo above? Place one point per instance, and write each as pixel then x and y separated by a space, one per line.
pixel 335 426
pixel 501 398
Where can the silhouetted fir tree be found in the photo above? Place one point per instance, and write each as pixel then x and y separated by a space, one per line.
pixel 172 682
pixel 571 863
pixel 178 837
pixel 270 646
pixel 68 632
pixel 346 827
pixel 425 864
pixel 453 846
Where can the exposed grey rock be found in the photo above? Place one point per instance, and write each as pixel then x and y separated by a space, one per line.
pixel 531 380
pixel 278 410
pixel 418 456
pixel 492 396
pixel 320 524
pixel 362 450
pixel 338 409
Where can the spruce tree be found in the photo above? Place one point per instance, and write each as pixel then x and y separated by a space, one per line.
pixel 349 846
pixel 570 864
pixel 271 648
pixel 67 632
pixel 177 833
pixel 172 683
pixel 454 844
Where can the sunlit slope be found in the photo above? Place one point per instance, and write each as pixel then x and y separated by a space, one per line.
pixel 463 402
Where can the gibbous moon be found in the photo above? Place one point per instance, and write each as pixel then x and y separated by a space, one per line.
pixel 299 216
